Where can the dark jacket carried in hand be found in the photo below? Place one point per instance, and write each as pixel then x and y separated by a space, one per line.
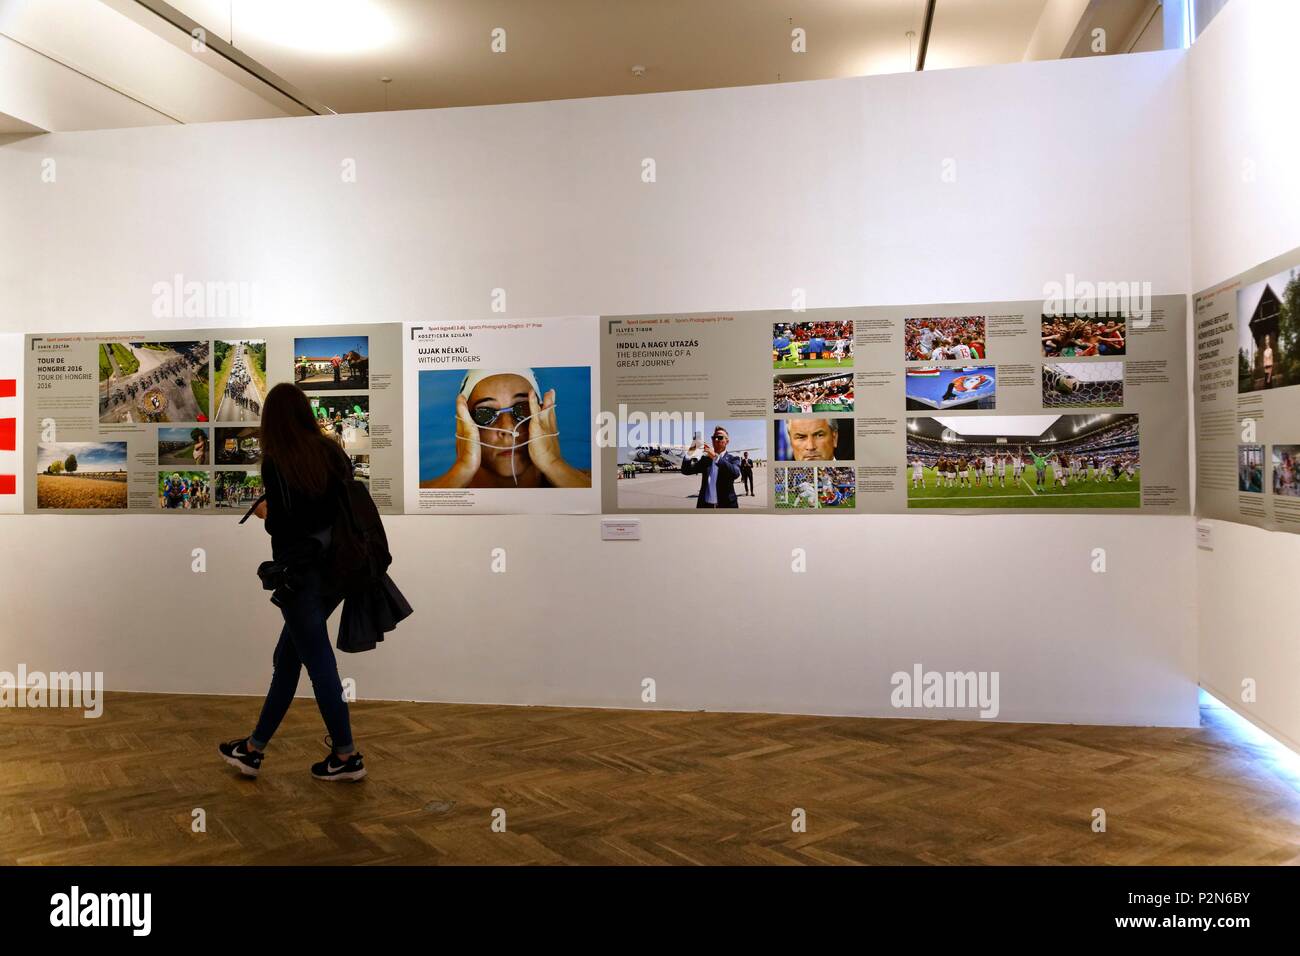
pixel 369 614
pixel 728 467
pixel 357 562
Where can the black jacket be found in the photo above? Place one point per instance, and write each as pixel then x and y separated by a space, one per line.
pixel 292 515
pixel 369 614
pixel 298 523
pixel 728 466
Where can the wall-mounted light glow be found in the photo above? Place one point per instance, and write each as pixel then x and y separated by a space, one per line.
pixel 314 26
pixel 1280 758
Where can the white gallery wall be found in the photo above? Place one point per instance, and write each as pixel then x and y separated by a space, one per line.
pixel 837 188
pixel 1246 210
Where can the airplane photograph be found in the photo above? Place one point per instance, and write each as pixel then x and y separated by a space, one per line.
pixel 667 475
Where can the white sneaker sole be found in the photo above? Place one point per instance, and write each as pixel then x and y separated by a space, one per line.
pixel 354 775
pixel 243 768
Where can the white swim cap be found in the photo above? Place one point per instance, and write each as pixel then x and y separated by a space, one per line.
pixel 474 376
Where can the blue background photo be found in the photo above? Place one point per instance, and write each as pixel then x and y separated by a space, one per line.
pixel 438 390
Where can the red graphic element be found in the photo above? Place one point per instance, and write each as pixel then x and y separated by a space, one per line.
pixel 8 435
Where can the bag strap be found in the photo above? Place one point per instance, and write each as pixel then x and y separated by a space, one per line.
pixel 249 513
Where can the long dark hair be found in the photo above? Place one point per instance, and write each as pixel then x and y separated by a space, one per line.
pixel 292 442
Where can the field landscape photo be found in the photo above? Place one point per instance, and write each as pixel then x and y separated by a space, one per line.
pixel 81 475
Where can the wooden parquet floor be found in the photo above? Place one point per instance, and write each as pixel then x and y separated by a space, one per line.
pixel 620 787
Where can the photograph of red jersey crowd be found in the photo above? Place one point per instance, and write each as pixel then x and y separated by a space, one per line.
pixel 943 339
pixel 813 393
pixel 1074 337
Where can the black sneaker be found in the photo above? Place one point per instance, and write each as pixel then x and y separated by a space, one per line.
pixel 335 767
pixel 237 754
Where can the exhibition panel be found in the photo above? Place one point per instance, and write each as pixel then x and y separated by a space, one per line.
pixel 168 420
pixel 499 416
pixel 1245 231
pixel 971 407
pixel 1247 401
pixel 1053 405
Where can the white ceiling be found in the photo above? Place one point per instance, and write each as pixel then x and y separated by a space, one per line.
pixel 438 52
pixel 62 61
pixel 95 64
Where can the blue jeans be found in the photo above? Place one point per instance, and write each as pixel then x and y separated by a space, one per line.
pixel 305 641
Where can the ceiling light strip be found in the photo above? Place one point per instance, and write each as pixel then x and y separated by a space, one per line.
pixel 53 58
pixel 925 35
pixel 227 52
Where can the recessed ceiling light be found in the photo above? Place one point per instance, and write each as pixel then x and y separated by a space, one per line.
pixel 315 26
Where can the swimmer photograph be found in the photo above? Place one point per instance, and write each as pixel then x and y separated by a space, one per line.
pixel 505 428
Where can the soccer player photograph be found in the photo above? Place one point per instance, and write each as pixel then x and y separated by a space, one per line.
pixel 1040 469
pixel 807 495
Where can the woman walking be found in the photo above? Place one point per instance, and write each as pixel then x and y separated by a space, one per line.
pixel 302 473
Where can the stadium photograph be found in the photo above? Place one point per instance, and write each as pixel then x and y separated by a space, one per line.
pixel 793 394
pixel 969 388
pixel 812 344
pixel 1024 461
pixel 1083 385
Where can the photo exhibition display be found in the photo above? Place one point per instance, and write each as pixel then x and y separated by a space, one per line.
pixel 986 406
pixel 501 417
pixel 169 421
pixel 979 407
pixel 1247 397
